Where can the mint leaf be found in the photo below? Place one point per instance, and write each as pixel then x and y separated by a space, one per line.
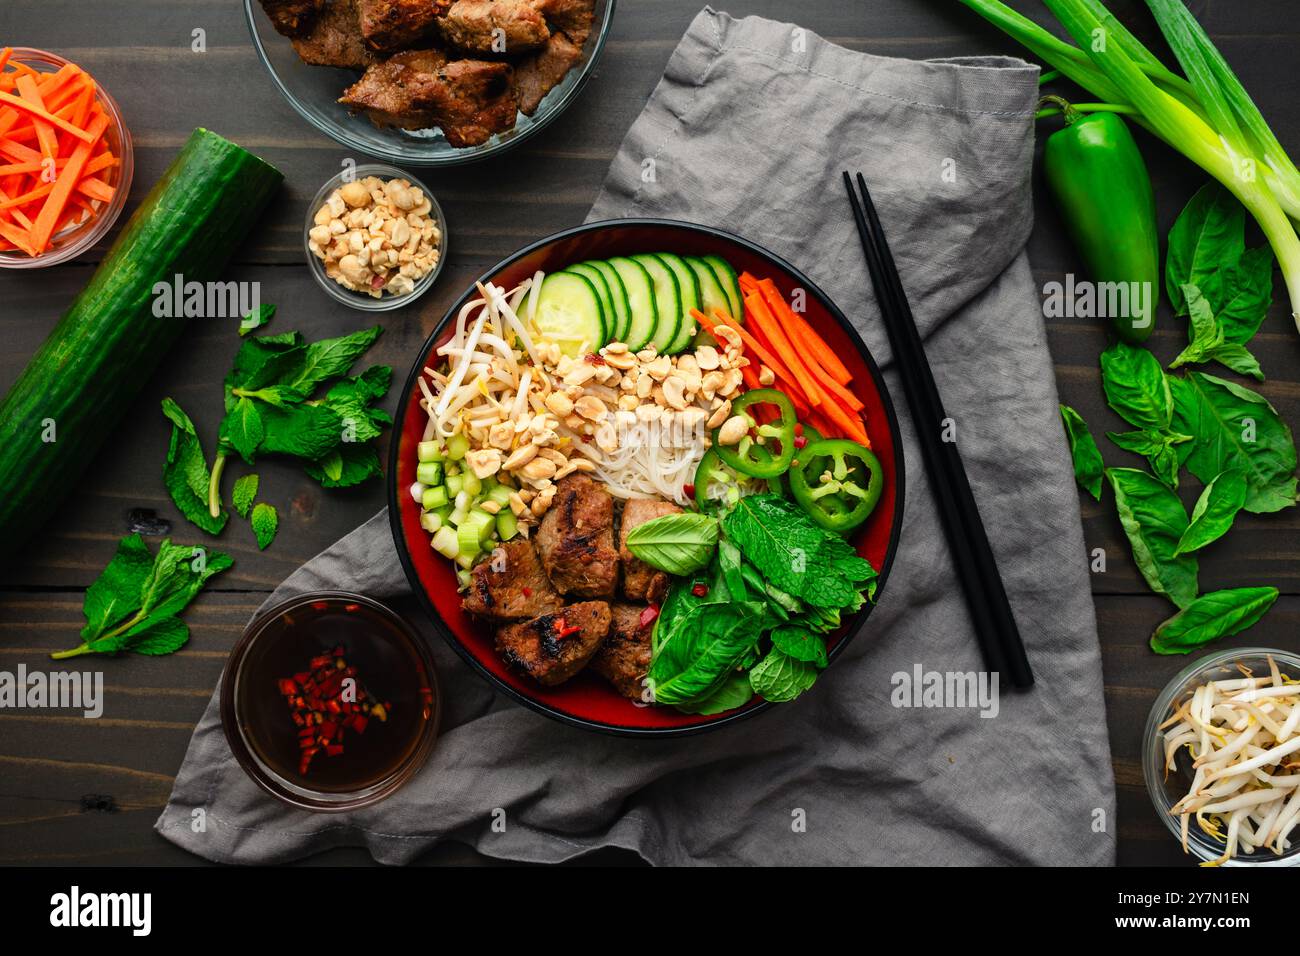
pixel 349 464
pixel 1088 465
pixel 185 472
pixel 1210 617
pixel 134 603
pixel 244 492
pixel 329 358
pixel 305 431
pixel 243 429
pixel 778 677
pixel 265 522
pixel 801 644
pixel 256 319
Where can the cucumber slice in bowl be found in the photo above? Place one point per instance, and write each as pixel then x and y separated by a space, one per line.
pixel 712 295
pixel 641 302
pixel 618 296
pixel 569 314
pixel 668 301
pixel 689 286
pixel 726 276
pixel 597 280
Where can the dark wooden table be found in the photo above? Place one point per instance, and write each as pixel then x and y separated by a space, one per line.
pixel 141 51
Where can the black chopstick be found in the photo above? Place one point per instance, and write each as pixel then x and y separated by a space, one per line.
pixel 986 597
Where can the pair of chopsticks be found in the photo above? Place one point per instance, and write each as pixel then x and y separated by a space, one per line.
pixel 995 626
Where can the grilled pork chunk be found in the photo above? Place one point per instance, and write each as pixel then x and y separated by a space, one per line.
pixel 391 25
pixel 576 539
pixel 494 26
pixel 511 586
pixel 335 40
pixel 540 72
pixel 554 647
pixel 292 18
pixel 572 17
pixel 624 656
pixel 640 581
pixel 470 99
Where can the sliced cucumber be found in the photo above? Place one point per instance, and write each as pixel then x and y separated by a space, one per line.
pixel 668 301
pixel 622 308
pixel 730 284
pixel 641 301
pixel 689 286
pixel 597 279
pixel 712 295
pixel 569 313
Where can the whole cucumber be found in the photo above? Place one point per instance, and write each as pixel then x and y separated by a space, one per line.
pixel 1102 188
pixel 69 400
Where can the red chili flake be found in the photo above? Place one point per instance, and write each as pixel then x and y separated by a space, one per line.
pixel 649 614
pixel 563 628
pixel 528 592
pixel 288 687
pixel 333 750
pixel 593 359
pixel 798 429
pixel 688 489
pixel 586 439
pixel 318 711
pixel 800 441
pixel 700 590
pixel 377 282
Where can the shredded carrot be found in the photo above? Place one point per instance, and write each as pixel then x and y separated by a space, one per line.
pixel 43 228
pixel 96 189
pixel 44 131
pixel 5 54
pixel 19 103
pixel 762 318
pixel 802 333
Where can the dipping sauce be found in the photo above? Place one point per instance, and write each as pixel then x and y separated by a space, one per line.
pixel 333 699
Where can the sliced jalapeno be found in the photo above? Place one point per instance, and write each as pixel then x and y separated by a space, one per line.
pixel 838 482
pixel 718 483
pixel 742 455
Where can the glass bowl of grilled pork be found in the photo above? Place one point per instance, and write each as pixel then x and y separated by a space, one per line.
pixel 534 582
pixel 429 82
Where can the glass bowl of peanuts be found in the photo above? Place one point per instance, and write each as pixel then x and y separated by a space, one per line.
pixel 375 238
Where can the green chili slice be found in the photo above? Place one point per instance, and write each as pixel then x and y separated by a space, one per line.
pixel 742 456
pixel 838 482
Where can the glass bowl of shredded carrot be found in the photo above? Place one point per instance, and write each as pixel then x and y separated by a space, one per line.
pixel 1221 757
pixel 65 159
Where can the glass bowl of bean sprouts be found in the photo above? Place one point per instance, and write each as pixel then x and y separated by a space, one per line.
pixel 1221 758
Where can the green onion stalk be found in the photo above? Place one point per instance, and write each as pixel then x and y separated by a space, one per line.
pixel 1207 115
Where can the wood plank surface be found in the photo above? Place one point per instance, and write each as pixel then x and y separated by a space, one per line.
pixel 141 51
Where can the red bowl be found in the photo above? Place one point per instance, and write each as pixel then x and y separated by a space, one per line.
pixel 586 700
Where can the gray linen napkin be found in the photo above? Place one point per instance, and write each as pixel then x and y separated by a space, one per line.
pixel 749 130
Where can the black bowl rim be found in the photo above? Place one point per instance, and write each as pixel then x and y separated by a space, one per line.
pixel 471 154
pixel 855 624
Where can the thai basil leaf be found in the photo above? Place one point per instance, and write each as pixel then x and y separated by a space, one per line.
pixel 1215 511
pixel 1209 343
pixel 1210 617
pixel 1205 245
pixel 703 647
pixel 1135 386
pixel 778 677
pixel 1159 449
pixel 734 692
pixel 679 543
pixel 1154 521
pixel 1088 465
pixel 1235 429
pixel 1251 295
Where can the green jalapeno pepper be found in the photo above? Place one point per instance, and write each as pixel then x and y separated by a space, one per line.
pixel 838 482
pixel 1103 191
pixel 743 456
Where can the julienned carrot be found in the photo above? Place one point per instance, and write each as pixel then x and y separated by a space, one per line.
pixel 43 228
pixel 44 131
pixel 802 336
pixel 720 318
pixel 18 102
pixel 5 54
pixel 17 236
pixel 95 189
pixel 766 323
pixel 803 333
